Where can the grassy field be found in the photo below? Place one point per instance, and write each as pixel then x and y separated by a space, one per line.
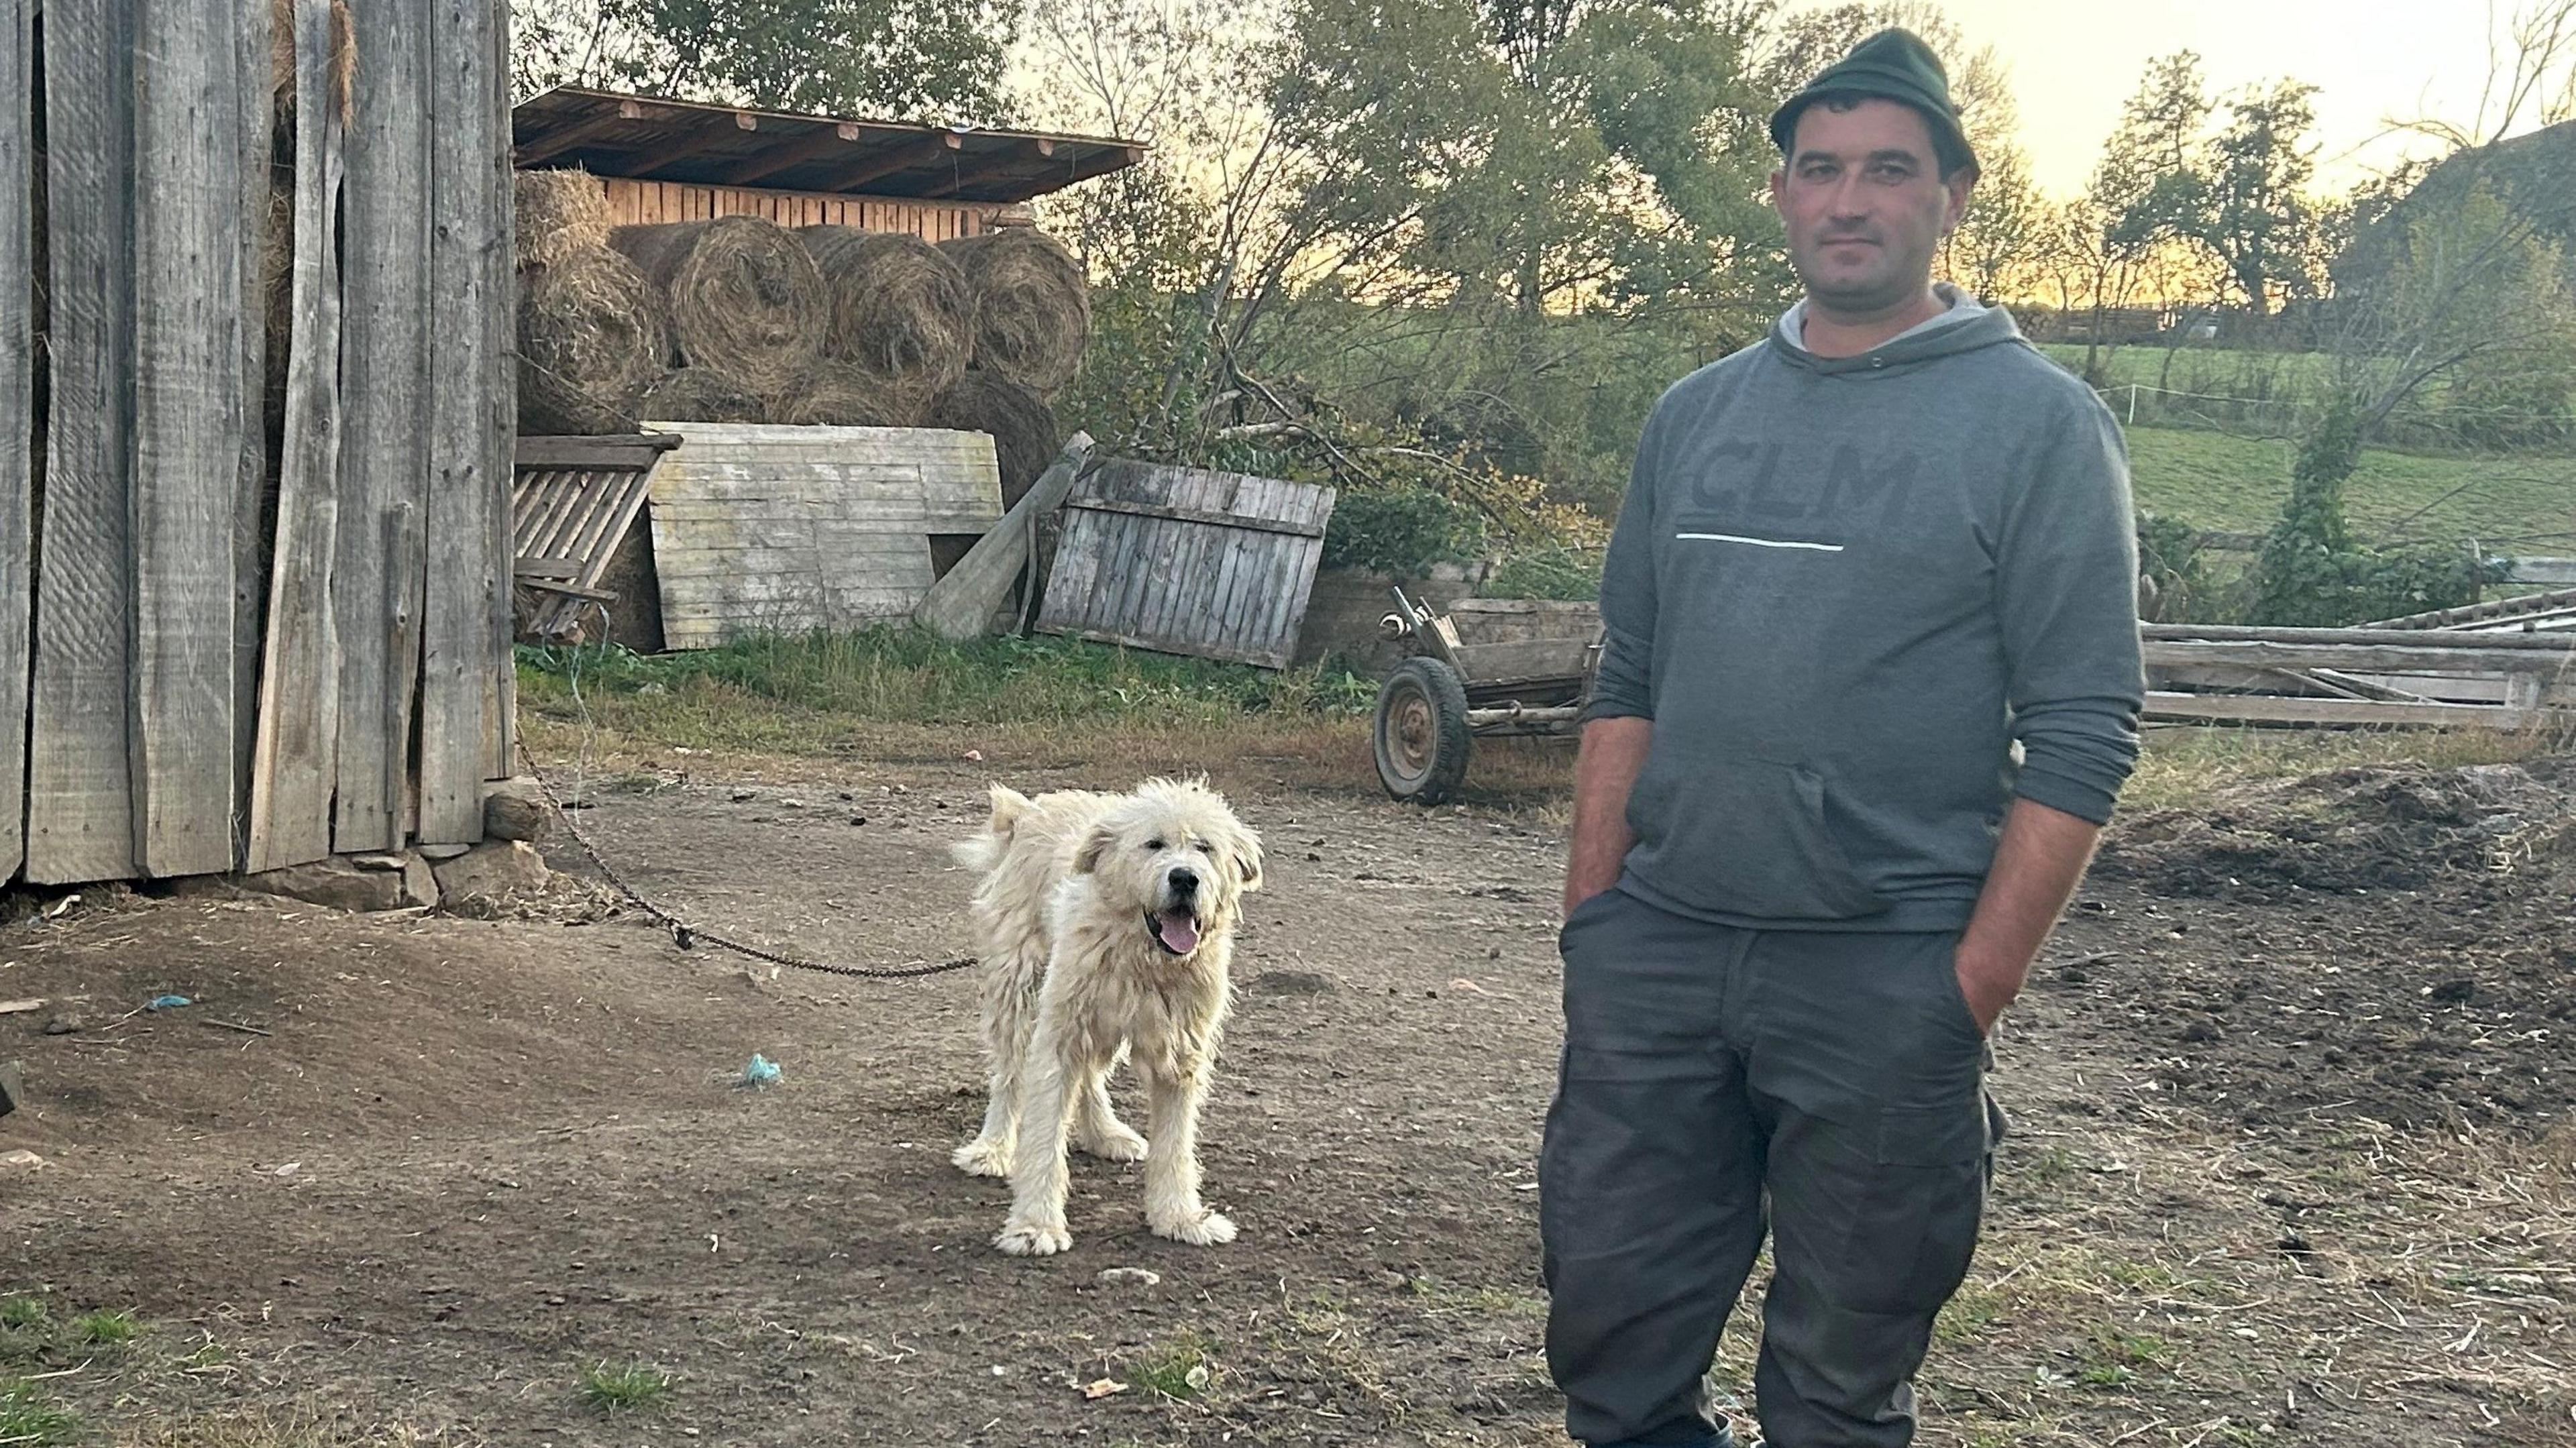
pixel 2227 371
pixel 902 696
pixel 2237 484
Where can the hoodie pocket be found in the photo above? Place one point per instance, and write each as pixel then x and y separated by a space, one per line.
pixel 1745 836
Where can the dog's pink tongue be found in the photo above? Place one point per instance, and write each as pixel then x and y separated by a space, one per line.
pixel 1180 933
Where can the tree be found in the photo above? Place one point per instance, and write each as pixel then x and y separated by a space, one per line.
pixel 2254 215
pixel 2475 301
pixel 935 61
pixel 2450 280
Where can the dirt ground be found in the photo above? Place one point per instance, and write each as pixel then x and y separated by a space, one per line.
pixel 2290 1163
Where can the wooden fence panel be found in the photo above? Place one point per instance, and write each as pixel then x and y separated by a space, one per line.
pixel 254 37
pixel 1186 561
pixel 187 433
pixel 500 341
pixel 459 666
pixel 294 768
pixel 17 398
pixel 378 577
pixel 80 795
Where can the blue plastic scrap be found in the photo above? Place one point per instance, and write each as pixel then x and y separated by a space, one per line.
pixel 761 1072
pixel 167 1003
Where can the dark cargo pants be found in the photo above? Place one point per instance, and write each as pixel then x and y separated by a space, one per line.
pixel 1832 1083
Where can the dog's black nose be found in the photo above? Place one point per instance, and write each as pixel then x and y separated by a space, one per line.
pixel 1185 882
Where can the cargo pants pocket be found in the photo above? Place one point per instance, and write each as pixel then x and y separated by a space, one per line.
pixel 1913 1213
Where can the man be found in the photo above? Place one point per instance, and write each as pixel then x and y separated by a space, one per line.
pixel 1870 685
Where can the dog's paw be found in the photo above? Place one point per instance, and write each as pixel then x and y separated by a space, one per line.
pixel 1204 1230
pixel 982 1157
pixel 1030 1239
pixel 1119 1143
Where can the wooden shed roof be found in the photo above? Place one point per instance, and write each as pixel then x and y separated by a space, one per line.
pixel 609 134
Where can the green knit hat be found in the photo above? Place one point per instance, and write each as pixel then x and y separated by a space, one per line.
pixel 1892 65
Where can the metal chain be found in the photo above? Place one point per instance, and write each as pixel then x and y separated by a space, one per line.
pixel 689 937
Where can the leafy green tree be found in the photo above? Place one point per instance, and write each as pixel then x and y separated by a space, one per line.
pixel 2255 216
pixel 920 60
pixel 2312 574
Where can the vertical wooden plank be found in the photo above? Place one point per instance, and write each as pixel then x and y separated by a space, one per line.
pixel 295 765
pixel 17 398
pixel 457 666
pixel 256 46
pixel 500 338
pixel 378 575
pixel 188 314
pixel 80 797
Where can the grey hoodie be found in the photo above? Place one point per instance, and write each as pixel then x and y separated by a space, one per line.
pixel 1845 590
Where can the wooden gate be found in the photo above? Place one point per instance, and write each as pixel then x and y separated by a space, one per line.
pixel 1183 561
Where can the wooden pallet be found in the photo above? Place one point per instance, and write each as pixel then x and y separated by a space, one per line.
pixel 571 503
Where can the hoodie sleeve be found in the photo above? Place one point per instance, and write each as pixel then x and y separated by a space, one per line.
pixel 2066 593
pixel 1625 686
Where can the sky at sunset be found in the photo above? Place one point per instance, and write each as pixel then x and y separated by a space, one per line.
pixel 2072 63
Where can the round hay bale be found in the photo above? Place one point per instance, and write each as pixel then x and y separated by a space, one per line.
pixel 1025 433
pixel 558 213
pixel 901 310
pixel 1032 307
pixel 591 339
pixel 745 297
pixel 832 394
pixel 700 394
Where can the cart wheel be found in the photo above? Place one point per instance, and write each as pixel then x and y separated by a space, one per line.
pixel 1422 739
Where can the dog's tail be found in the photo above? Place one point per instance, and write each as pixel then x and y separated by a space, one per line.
pixel 982 852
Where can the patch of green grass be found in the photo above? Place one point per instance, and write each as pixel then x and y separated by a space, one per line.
pixel 1572 574
pixel 623 1388
pixel 2115 1356
pixel 20 1311
pixel 799 693
pixel 28 1421
pixel 2218 482
pixel 107 1329
pixel 1180 1370
pixel 2048 1166
pixel 1969 1312
pixel 27 1329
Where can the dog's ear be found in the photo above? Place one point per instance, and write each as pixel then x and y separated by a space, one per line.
pixel 1094 845
pixel 1246 849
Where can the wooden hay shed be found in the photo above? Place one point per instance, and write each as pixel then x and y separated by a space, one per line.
pixel 254 548
pixel 664 160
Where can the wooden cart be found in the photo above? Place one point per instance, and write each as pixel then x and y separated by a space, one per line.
pixel 1489 667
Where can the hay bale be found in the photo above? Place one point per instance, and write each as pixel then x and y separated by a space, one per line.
pixel 340 66
pixel 700 394
pixel 835 394
pixel 591 338
pixel 745 297
pixel 558 213
pixel 1032 307
pixel 901 310
pixel 1026 435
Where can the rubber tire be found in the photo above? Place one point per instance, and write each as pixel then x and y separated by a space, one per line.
pixel 1439 686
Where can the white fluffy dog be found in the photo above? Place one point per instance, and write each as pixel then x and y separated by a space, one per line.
pixel 1105 923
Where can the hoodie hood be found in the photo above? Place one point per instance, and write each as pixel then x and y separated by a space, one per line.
pixel 1967 326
